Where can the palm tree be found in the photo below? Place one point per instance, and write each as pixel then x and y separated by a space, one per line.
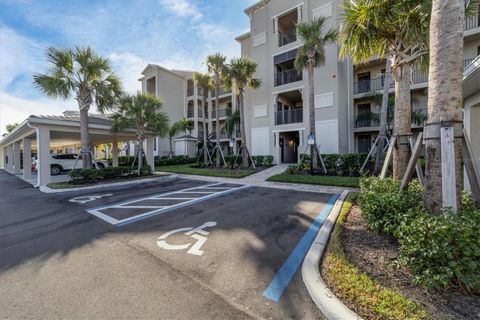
pixel 204 81
pixel 241 73
pixel 232 120
pixel 444 101
pixel 310 56
pixel 143 113
pixel 216 66
pixel 185 125
pixel 81 74
pixel 398 31
pixel 172 132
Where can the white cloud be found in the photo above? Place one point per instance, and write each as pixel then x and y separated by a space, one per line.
pixel 128 67
pixel 14 109
pixel 183 8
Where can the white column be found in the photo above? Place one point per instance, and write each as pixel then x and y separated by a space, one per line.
pixel 149 152
pixel 275 26
pixel 300 135
pixel 16 158
pixel 114 153
pixel 10 158
pixel 27 158
pixel 43 156
pixel 3 155
pixel 299 13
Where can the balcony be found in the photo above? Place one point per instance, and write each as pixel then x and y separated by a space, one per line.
pixel 287 36
pixel 369 119
pixel 377 84
pixel 287 76
pixel 191 91
pixel 221 113
pixel 472 22
pixel 289 116
pixel 190 113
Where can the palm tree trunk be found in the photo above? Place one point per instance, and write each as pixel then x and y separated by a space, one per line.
pixel 217 127
pixel 444 93
pixel 85 138
pixel 140 155
pixel 204 126
pixel 403 120
pixel 383 117
pixel 242 130
pixel 170 140
pixel 311 117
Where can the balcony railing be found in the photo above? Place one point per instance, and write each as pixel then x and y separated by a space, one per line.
pixel 221 113
pixel 287 76
pixel 286 37
pixel 190 113
pixel 472 22
pixel 372 119
pixel 289 116
pixel 376 84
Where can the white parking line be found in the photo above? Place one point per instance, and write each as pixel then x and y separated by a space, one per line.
pixel 160 209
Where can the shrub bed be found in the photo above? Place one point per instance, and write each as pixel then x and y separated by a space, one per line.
pixel 170 161
pixel 110 173
pixel 440 250
pixel 345 165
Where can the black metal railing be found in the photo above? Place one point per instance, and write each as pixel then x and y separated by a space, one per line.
pixel 287 76
pixel 376 84
pixel 472 22
pixel 287 36
pixel 467 62
pixel 289 116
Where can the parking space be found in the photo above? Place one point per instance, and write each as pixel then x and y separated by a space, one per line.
pixel 238 246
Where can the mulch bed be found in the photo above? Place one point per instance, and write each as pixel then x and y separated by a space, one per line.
pixel 376 254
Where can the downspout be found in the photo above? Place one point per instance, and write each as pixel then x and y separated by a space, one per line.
pixel 37 130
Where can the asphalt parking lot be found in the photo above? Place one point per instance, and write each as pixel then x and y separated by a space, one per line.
pixel 177 250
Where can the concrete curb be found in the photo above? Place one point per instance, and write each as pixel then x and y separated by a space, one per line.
pixel 171 177
pixel 331 307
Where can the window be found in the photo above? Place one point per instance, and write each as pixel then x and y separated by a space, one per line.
pixel 364 144
pixel 363 82
pixel 284 68
pixel 151 85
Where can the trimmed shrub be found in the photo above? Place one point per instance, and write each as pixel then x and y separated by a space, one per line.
pixel 92 175
pixel 268 161
pixel 443 250
pixel 292 169
pixel 170 161
pixel 384 206
pixel 258 160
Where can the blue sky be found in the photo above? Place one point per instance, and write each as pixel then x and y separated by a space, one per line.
pixel 174 33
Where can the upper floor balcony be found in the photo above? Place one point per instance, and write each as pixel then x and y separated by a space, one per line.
pixel 377 84
pixel 287 36
pixel 472 22
pixel 370 119
pixel 191 91
pixel 287 76
pixel 289 116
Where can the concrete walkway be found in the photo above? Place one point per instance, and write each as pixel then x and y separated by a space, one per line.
pixel 258 180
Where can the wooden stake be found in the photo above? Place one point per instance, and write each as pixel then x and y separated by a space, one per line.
pixel 418 166
pixel 413 162
pixel 471 167
pixel 449 183
pixel 372 150
pixel 388 158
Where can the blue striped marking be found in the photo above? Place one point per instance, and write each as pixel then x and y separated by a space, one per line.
pixel 289 268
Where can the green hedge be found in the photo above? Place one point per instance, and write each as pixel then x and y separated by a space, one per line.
pixel 260 161
pixel 440 250
pixel 341 164
pixel 170 161
pixel 94 175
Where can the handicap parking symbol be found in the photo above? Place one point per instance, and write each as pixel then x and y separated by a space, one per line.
pixel 198 233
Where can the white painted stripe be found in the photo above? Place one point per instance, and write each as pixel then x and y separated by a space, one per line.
pixel 170 198
pixel 206 192
pixel 177 206
pixel 138 207
pixel 104 217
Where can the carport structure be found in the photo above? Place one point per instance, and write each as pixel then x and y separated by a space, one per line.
pixel 43 134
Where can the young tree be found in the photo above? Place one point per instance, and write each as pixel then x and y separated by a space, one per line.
pixel 143 112
pixel 444 93
pixel 81 74
pixel 310 56
pixel 216 66
pixel 232 120
pixel 11 126
pixel 241 73
pixel 397 31
pixel 204 81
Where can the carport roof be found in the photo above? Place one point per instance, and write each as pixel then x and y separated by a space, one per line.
pixel 67 119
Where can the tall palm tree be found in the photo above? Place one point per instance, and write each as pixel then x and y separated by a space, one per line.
pixel 216 66
pixel 397 31
pixel 204 81
pixel 232 120
pixel 172 132
pixel 185 125
pixel 143 112
pixel 241 73
pixel 81 74
pixel 310 56
pixel 444 101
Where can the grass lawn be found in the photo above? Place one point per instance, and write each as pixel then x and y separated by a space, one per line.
pixel 211 172
pixel 357 289
pixel 348 182
pixel 65 185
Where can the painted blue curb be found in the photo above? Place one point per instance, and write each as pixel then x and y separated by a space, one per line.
pixel 285 274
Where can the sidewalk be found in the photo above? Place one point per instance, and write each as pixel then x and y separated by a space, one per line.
pixel 258 180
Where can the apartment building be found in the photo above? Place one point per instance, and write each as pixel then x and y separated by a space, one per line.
pixel 182 98
pixel 277 112
pixel 347 96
